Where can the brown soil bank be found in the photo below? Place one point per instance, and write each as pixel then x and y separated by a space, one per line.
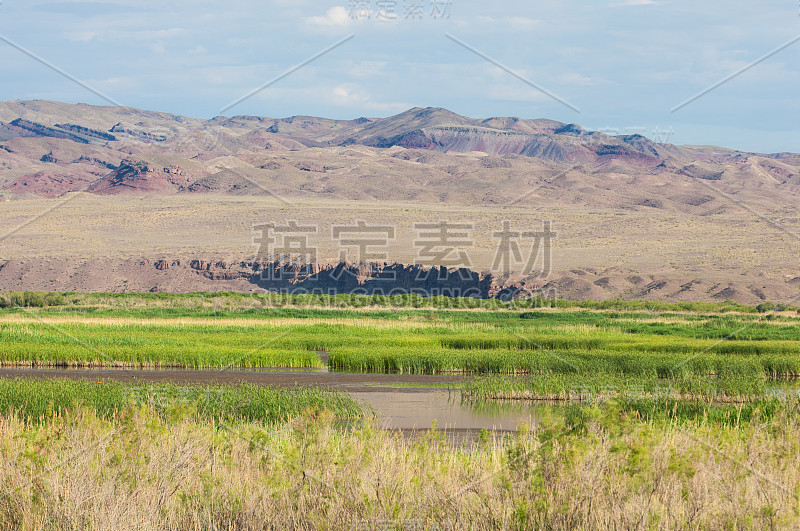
pixel 191 275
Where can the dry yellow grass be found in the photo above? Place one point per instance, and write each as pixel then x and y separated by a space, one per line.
pixel 138 472
pixel 268 323
pixel 177 322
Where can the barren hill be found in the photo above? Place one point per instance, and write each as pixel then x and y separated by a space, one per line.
pixel 636 218
pixel 430 154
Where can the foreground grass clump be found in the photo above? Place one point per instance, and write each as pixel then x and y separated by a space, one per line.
pixel 589 468
pixel 37 400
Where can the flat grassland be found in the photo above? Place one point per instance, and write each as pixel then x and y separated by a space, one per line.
pixel 660 417
pixel 695 352
pixel 211 331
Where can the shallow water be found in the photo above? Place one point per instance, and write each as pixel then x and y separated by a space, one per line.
pixel 397 401
pixel 422 408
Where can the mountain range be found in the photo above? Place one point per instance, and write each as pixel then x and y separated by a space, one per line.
pixel 429 155
pixel 169 202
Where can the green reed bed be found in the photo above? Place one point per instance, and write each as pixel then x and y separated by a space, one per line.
pixel 412 342
pixel 576 387
pixel 78 344
pixel 38 399
pixel 416 300
pixel 502 361
pixel 588 340
pixel 679 412
pixel 731 401
pixel 710 412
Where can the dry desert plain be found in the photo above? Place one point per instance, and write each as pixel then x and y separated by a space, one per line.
pixel 108 243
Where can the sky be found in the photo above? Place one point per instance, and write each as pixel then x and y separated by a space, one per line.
pixel 619 66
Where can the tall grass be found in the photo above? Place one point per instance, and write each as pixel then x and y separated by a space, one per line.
pixel 592 468
pixel 594 387
pixel 230 300
pixel 502 361
pixel 37 400
pixel 42 343
pixel 411 341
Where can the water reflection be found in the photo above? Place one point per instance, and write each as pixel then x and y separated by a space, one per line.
pixel 403 410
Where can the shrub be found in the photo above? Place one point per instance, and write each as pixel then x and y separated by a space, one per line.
pixel 765 307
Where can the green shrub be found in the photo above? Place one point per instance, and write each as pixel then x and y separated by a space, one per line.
pixel 765 307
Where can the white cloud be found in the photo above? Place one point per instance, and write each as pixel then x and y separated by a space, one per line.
pixel 349 95
pixel 336 16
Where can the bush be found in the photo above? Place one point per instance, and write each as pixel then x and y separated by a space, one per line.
pixel 765 307
pixel 31 299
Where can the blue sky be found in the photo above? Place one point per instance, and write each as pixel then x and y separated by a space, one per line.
pixel 624 63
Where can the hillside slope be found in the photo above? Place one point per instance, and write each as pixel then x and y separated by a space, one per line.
pixel 423 154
